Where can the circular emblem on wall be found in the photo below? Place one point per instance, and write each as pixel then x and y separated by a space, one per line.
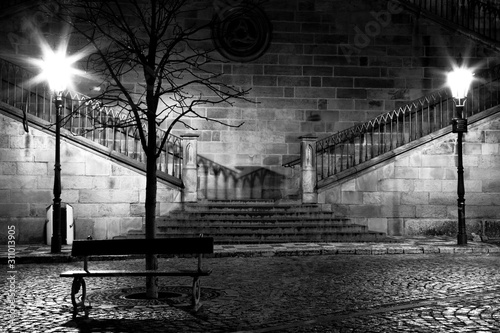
pixel 241 33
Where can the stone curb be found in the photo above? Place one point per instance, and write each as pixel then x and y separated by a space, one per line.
pixel 272 250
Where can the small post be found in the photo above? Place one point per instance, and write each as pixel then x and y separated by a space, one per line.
pixel 190 167
pixel 308 164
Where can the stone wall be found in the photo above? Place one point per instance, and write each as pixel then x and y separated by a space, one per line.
pixel 331 64
pixel 416 193
pixel 107 198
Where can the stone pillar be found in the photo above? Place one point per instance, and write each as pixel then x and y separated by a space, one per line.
pixel 190 167
pixel 308 164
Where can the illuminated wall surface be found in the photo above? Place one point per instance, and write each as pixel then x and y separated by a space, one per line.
pixel 330 64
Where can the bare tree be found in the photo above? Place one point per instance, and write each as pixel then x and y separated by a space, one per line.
pixel 165 45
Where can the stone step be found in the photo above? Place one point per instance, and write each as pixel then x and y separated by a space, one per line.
pixel 241 237
pixel 252 214
pixel 263 228
pixel 273 220
pixel 250 205
pixel 252 238
pixel 260 221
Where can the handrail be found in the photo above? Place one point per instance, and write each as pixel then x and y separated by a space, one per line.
pixel 84 117
pixel 477 16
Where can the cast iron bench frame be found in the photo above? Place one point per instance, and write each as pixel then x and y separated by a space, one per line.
pixel 161 246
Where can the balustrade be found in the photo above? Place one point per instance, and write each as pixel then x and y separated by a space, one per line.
pixel 359 144
pixel 85 117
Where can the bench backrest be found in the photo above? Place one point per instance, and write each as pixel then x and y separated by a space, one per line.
pixel 194 245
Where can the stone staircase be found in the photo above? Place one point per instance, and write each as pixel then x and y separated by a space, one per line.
pixel 260 221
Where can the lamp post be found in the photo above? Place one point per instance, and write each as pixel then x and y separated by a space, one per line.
pixel 459 81
pixel 57 70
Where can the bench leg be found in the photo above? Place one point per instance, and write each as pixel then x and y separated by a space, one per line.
pixel 196 293
pixel 79 283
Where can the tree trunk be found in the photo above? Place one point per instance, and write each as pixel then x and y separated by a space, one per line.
pixel 151 259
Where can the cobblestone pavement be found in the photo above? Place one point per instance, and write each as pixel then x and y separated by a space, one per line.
pixel 328 293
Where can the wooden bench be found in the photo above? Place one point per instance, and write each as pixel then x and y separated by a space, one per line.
pixel 164 246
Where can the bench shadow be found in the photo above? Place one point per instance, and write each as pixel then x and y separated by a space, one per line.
pixel 122 325
pixel 125 325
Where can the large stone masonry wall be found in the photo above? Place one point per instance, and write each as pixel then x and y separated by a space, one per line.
pixel 331 64
pixel 107 198
pixel 417 192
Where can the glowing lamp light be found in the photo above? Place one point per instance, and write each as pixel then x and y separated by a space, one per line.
pixel 459 81
pixel 57 70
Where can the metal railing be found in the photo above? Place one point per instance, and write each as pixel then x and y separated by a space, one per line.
pixel 479 16
pixel 84 117
pixel 359 144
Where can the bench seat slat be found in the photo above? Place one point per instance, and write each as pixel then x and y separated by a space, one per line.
pixel 193 245
pixel 104 273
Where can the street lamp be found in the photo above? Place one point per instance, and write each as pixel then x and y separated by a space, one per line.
pixel 56 69
pixel 459 81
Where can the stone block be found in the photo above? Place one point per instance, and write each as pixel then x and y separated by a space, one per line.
pixel 31 168
pixel 415 160
pixel 108 196
pixel 340 104
pixel 70 168
pixel 431 211
pixel 398 211
pixel 79 182
pixel 381 198
pixel 352 93
pixel 431 227
pixel 8 168
pixel 19 182
pixel 492 137
pixel 14 210
pixel 100 229
pixel 415 198
pixel 269 80
pixel 432 173
pixel 315 92
pixel 399 185
pixel 352 198
pixel 432 186
pixel 406 173
pixel 490 149
pixel 437 161
pixel 387 171
pixel 395 227
pixel 118 170
pixel 472 149
pixel 113 210
pixel 395 250
pixel 489 161
pixel 4 196
pixel 367 182
pixel 30 230
pixel 378 224
pixel 31 196
pixel 367 211
pixel 443 198
pixel 282 70
pixel 373 83
pixel 129 224
pixel 413 250
pixel 476 212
